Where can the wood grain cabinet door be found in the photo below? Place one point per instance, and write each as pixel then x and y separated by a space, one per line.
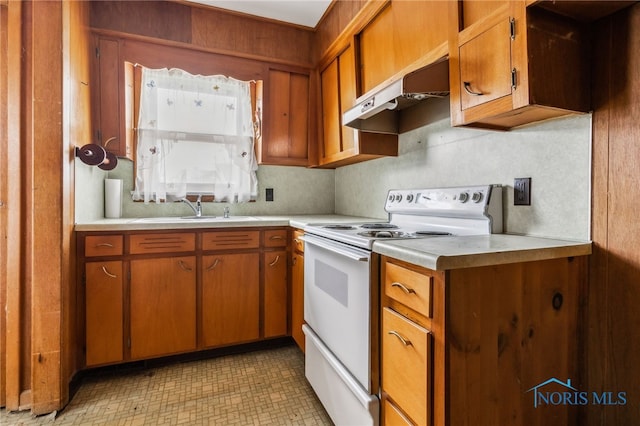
pixel 230 298
pixel 275 293
pixel 485 66
pixel 297 298
pixel 163 306
pixel 103 312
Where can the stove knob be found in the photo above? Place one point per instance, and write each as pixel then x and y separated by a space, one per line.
pixel 399 198
pixel 463 197
pixel 391 196
pixel 410 198
pixel 476 197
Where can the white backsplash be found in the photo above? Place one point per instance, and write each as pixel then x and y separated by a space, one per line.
pixel 297 190
pixel 556 154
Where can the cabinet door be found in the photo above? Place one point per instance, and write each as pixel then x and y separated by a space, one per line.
pixel 163 306
pixel 103 312
pixel 297 298
pixel 109 103
pixel 406 365
pixel 485 66
pixel 275 293
pixel 230 298
pixel 286 126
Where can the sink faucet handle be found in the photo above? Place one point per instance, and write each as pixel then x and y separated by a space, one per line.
pixel 226 212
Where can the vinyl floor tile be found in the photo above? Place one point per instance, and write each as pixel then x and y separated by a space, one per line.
pixel 265 387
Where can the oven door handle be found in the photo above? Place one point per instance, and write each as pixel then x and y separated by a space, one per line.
pixel 351 254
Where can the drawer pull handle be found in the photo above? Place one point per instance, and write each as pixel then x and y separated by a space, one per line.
pixel 104 245
pixel 404 288
pixel 213 265
pixel 184 266
pixel 276 237
pixel 297 241
pixel 275 261
pixel 467 88
pixel 104 269
pixel 402 339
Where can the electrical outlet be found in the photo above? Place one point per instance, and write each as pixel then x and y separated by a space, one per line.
pixel 522 192
pixel 269 194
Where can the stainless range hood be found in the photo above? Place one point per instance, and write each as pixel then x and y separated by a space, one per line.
pixel 379 110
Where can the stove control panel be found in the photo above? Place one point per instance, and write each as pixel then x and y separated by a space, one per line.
pixel 478 201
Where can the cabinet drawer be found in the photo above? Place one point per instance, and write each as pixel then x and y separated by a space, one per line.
pixel 409 287
pixel 298 244
pixel 103 245
pixel 162 243
pixel 275 238
pixel 230 240
pixel 393 416
pixel 406 365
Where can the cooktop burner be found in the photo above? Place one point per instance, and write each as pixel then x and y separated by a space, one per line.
pixel 386 234
pixel 339 227
pixel 379 226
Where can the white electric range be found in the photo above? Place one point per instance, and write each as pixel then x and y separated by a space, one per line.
pixel 341 288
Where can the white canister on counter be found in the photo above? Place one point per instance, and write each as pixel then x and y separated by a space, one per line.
pixel 112 198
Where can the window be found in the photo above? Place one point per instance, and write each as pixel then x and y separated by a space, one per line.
pixel 195 135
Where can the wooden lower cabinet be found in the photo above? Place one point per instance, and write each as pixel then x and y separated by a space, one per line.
pixel 275 294
pixel 465 346
pixel 163 306
pixel 297 298
pixel 230 298
pixel 104 312
pixel 152 294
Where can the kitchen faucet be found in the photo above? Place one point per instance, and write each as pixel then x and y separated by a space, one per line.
pixel 197 209
pixel 226 213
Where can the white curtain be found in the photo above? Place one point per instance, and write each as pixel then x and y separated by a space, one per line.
pixel 195 135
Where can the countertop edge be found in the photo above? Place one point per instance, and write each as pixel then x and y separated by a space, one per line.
pixel 523 249
pixel 135 224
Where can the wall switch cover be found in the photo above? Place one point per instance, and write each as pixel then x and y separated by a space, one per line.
pixel 522 192
pixel 269 194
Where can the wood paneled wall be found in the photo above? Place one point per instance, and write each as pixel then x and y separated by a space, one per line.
pixel 208 28
pixel 614 288
pixel 3 194
pixel 47 116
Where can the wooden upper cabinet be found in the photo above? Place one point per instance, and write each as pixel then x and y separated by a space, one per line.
pixel 285 139
pixel 516 66
pixel 485 66
pixel 400 35
pixel 343 145
pixel 112 87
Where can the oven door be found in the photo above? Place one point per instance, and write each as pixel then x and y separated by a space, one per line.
pixel 337 302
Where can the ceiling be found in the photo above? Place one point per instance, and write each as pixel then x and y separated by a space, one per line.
pixel 300 12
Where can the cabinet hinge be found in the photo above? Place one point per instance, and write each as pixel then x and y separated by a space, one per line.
pixel 98 135
pixel 129 343
pixel 97 52
pixel 512 24
pixel 514 80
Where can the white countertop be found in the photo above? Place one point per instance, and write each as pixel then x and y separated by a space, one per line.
pixel 159 223
pixel 442 253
